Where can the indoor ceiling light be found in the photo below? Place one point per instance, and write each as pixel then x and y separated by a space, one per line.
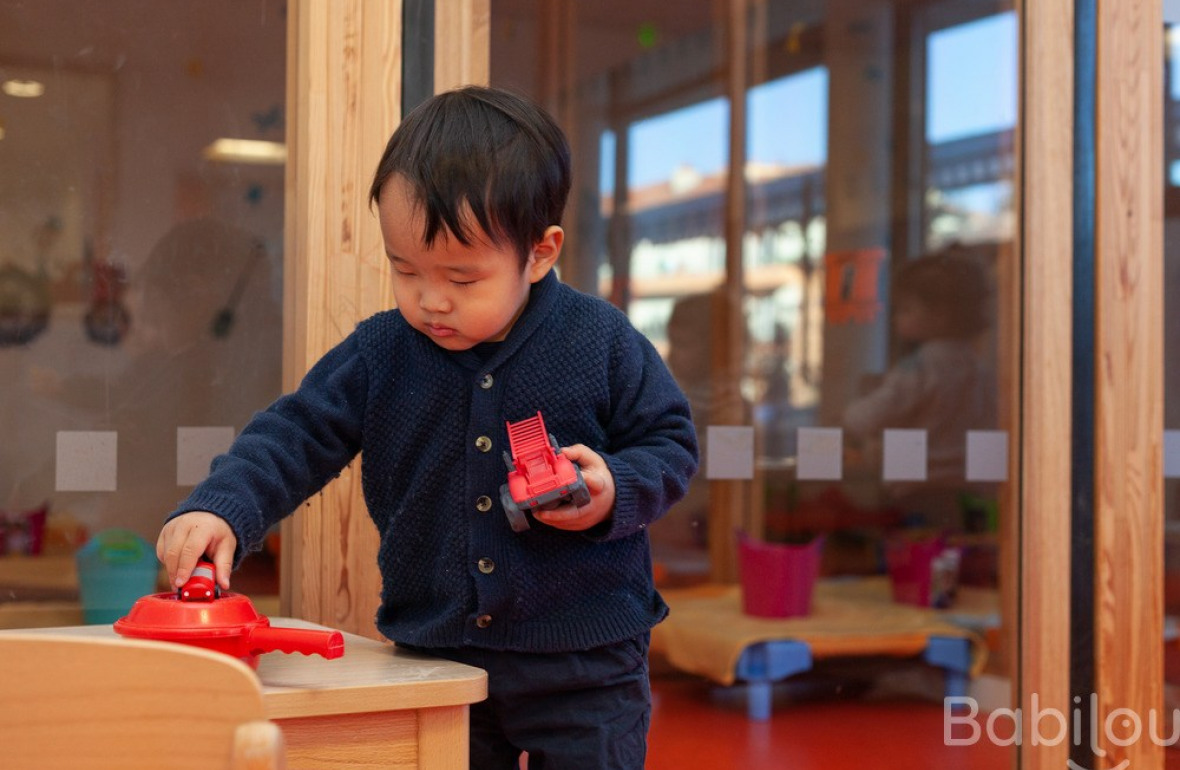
pixel 24 88
pixel 247 151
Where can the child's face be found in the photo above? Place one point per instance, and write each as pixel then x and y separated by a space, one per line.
pixel 914 320
pixel 458 296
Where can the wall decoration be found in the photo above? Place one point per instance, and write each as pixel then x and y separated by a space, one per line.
pixel 107 320
pixel 24 305
pixel 853 285
pixel 268 120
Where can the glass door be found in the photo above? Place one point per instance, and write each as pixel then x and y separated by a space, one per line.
pixel 811 210
pixel 141 260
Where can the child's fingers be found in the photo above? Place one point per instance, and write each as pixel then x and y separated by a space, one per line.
pixel 184 541
pixel 594 481
pixel 566 517
pixel 223 562
pixel 583 455
pixel 192 550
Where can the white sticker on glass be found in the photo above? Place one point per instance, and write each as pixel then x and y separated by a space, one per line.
pixel 987 455
pixel 87 461
pixel 904 455
pixel 821 454
pixel 730 453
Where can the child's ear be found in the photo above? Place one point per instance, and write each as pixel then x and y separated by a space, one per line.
pixel 545 253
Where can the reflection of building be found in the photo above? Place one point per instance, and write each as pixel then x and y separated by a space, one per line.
pixel 677 246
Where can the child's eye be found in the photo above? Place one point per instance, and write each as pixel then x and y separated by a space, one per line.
pixel 462 283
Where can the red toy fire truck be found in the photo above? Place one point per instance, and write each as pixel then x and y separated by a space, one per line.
pixel 539 475
pixel 201 586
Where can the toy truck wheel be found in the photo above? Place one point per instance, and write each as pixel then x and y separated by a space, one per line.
pixel 580 493
pixel 516 517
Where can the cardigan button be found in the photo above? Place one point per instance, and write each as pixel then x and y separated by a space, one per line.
pixel 483 504
pixel 483 444
pixel 483 621
pixel 486 382
pixel 487 566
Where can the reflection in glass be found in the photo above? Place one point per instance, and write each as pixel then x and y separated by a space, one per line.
pixel 1171 323
pixel 878 154
pixel 140 282
pixel 877 219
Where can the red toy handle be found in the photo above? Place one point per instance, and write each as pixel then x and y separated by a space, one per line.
pixel 329 644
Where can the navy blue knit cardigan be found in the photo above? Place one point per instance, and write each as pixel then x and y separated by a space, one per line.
pixel 453 572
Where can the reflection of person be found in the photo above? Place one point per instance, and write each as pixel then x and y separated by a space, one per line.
pixel 470 192
pixel 180 373
pixel 710 394
pixel 940 385
pixel 775 412
pixel 690 356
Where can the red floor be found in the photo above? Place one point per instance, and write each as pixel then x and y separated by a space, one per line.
pixel 695 725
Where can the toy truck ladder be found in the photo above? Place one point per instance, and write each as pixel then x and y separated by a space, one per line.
pixel 530 448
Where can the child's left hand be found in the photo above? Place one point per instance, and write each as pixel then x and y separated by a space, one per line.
pixel 599 482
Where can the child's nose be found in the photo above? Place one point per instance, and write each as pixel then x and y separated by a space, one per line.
pixel 434 301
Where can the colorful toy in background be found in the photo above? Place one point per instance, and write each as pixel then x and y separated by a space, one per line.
pixel 923 569
pixel 115 567
pixel 539 476
pixel 23 532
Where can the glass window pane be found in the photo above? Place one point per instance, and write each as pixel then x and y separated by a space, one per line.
pixel 140 260
pixel 838 333
pixel 1171 368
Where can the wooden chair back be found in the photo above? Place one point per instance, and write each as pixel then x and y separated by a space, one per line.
pixel 87 703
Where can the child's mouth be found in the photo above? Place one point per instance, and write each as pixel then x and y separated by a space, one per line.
pixel 439 331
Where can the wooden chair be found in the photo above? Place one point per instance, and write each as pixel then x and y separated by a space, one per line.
pixel 99 704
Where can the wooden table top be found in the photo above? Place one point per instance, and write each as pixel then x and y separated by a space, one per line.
pixel 370 676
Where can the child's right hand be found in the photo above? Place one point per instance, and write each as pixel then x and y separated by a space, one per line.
pixel 190 536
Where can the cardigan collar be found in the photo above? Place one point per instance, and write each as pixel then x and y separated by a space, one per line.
pixel 542 299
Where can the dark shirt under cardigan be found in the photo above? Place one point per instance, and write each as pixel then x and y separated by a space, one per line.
pixel 454 573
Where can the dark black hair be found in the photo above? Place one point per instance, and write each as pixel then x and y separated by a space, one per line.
pixel 484 148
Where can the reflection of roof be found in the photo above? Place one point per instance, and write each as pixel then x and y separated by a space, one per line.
pixel 972 160
pixel 690 204
pixel 687 182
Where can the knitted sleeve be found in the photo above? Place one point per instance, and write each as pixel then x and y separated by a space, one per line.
pixel 288 452
pixel 652 445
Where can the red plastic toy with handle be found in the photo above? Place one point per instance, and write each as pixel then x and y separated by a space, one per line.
pixel 200 614
pixel 539 475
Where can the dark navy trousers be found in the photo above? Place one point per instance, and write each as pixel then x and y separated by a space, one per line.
pixel 587 710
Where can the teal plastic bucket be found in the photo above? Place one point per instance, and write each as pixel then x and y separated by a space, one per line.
pixel 115 568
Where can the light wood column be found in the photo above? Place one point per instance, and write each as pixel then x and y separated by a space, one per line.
pixel 1128 418
pixel 1035 573
pixel 729 501
pixel 343 97
pixel 859 54
pixel 462 43
pixel 343 101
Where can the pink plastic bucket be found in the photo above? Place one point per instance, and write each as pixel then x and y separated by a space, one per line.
pixel 911 568
pixel 778 578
